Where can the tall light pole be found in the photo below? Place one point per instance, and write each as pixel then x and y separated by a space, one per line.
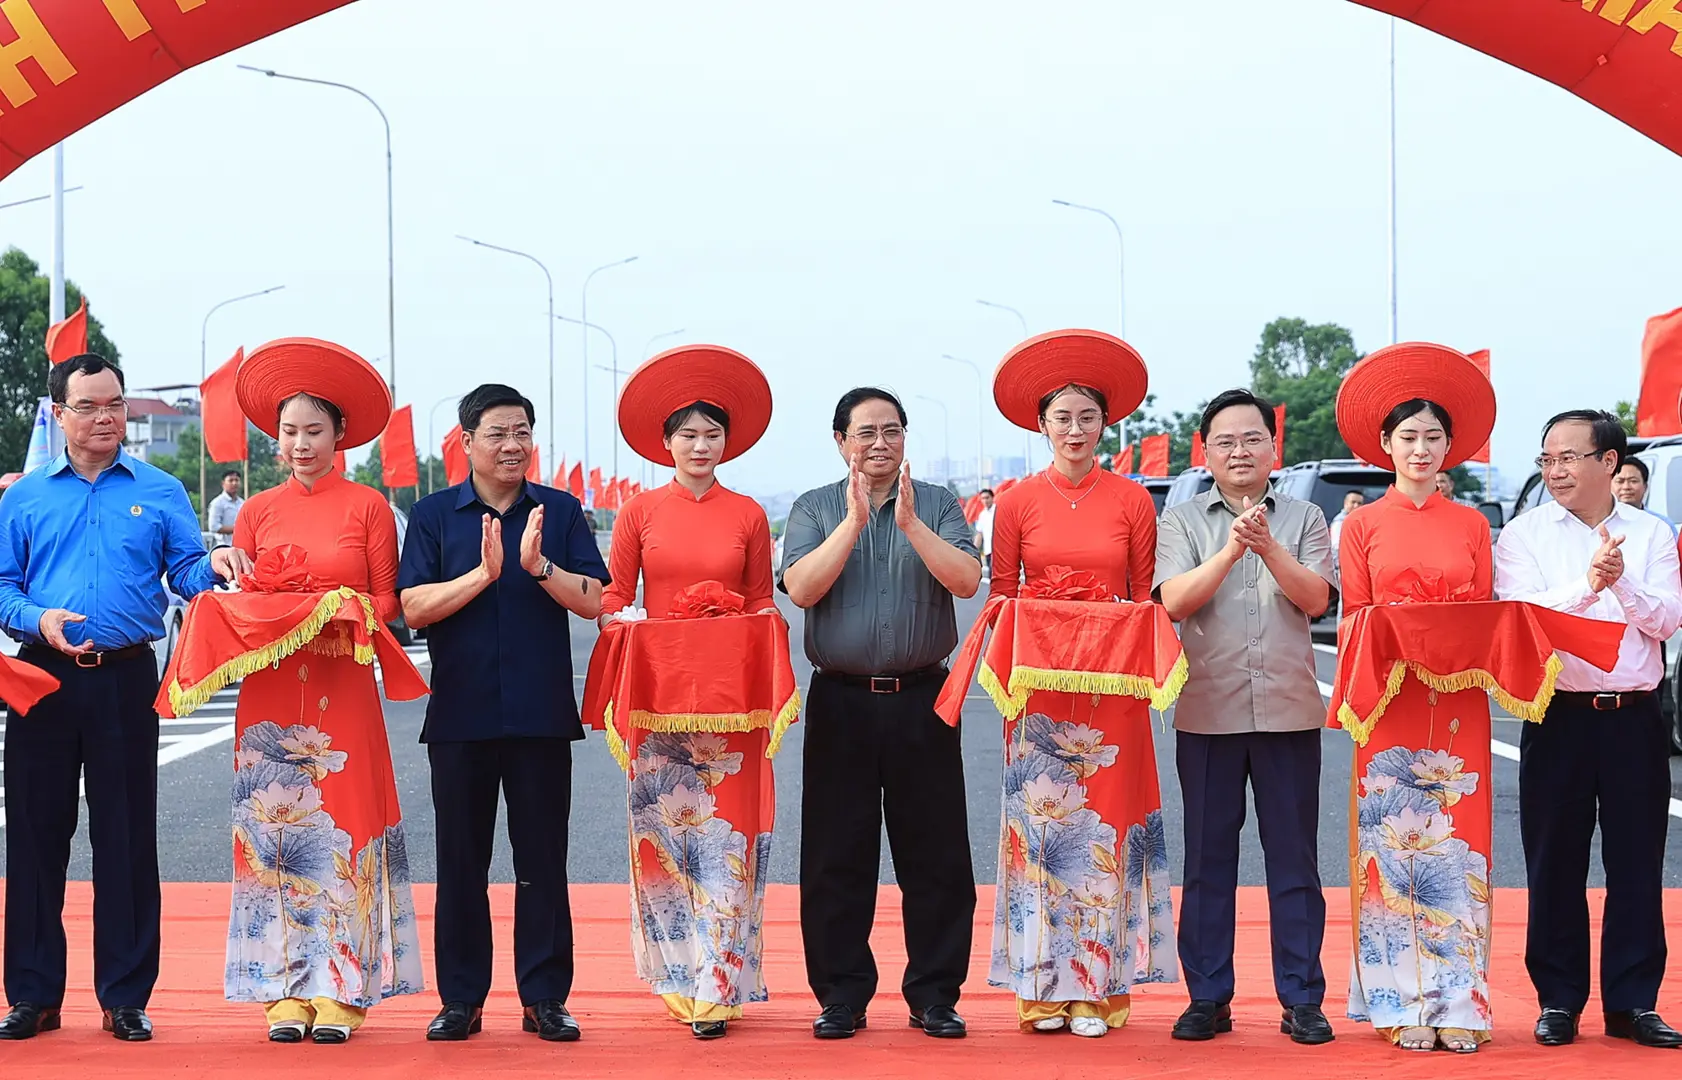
pixel 614 345
pixel 980 412
pixel 1395 332
pixel 1121 261
pixel 945 436
pixel 204 373
pixel 1027 440
pixel 648 349
pixel 55 295
pixel 584 336
pixel 549 323
pixel 390 236
pixel 618 378
pixel 430 436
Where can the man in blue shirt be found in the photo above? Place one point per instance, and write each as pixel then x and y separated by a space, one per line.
pixel 491 567
pixel 84 544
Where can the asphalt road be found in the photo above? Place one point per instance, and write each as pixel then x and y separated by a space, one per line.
pixel 193 802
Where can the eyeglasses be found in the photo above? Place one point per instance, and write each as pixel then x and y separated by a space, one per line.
pixel 1063 423
pixel 1227 444
pixel 868 436
pixel 1569 459
pixel 498 436
pixel 115 408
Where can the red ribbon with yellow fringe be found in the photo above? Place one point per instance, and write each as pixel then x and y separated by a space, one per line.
pixel 705 667
pixel 23 685
pixel 1071 645
pixel 1505 647
pixel 228 636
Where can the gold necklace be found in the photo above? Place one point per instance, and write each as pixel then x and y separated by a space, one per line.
pixel 1073 502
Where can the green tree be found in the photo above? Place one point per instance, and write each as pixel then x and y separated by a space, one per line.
pixel 1299 365
pixel 1145 421
pixel 1625 412
pixel 24 304
pixel 369 473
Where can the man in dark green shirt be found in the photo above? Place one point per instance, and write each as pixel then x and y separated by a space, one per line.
pixel 875 561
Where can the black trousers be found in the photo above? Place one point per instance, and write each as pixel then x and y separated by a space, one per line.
pixel 535 776
pixel 99 722
pixel 1574 765
pixel 870 757
pixel 1283 769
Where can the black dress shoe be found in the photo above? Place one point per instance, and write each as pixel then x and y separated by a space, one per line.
pixel 26 1021
pixel 710 1029
pixel 1202 1021
pixel 939 1021
pixel 551 1022
pixel 1557 1027
pixel 128 1023
pixel 837 1022
pixel 1645 1027
pixel 455 1022
pixel 1306 1024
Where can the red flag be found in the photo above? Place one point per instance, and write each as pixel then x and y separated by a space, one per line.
pixel 1481 359
pixel 1004 485
pixel 1153 455
pixel 456 467
pixel 596 485
pixel 636 489
pixel 398 467
pixel 575 482
pixel 560 481
pixel 1661 376
pixel 607 496
pixel 219 415
pixel 1122 464
pixel 340 463
pixel 972 509
pixel 1279 435
pixel 624 493
pixel 70 338
pixel 534 467
pixel 1197 455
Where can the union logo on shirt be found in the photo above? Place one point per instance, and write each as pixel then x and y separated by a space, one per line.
pixel 134 511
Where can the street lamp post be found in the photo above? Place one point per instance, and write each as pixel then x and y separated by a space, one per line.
pixel 648 349
pixel 204 373
pixel 584 335
pixel 1027 440
pixel 551 327
pixel 430 435
pixel 980 411
pixel 945 436
pixel 1121 260
pixel 390 216
pixel 614 345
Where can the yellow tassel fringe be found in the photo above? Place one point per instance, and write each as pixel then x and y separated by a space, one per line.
pixel 785 717
pixel 1361 730
pixel 185 701
pixel 1012 702
pixel 717 722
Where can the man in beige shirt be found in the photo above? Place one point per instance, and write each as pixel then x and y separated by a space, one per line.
pixel 1244 570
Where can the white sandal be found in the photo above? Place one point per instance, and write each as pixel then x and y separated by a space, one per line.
pixel 1089 1027
pixel 1049 1024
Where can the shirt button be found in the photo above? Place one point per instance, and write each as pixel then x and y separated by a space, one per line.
pixel 1255 674
pixel 1253 641
pixel 1252 611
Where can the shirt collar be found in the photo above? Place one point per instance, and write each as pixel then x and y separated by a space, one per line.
pixel 1213 498
pixel 1395 497
pixel 62 462
pixel 1620 512
pixel 327 481
pixel 682 492
pixel 467 495
pixel 1059 482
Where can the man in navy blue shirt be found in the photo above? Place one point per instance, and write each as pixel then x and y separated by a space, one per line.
pixel 85 541
pixel 491 567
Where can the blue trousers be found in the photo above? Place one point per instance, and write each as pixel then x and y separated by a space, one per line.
pixel 1283 770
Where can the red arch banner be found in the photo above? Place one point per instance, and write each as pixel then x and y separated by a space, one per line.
pixel 66 63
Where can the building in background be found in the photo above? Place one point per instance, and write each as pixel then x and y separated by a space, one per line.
pixel 155 425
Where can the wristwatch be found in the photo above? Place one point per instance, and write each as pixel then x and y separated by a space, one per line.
pixel 546 571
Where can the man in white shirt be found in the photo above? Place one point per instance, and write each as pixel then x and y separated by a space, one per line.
pixel 224 509
pixel 1352 501
pixel 1602 748
pixel 984 531
pixel 1630 486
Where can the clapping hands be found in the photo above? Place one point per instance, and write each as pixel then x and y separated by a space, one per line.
pixel 1251 531
pixel 1607 564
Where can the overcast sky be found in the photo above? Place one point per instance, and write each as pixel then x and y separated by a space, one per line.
pixel 831 191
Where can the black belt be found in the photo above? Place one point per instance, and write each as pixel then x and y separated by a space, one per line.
pixel 35 653
pixel 889 684
pixel 1603 702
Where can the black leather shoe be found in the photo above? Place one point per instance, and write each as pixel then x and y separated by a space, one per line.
pixel 455 1022
pixel 1305 1024
pixel 710 1029
pixel 939 1021
pixel 551 1022
pixel 128 1024
pixel 1557 1027
pixel 26 1021
pixel 1202 1021
pixel 1645 1027
pixel 837 1022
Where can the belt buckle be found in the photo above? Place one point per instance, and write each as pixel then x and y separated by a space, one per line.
pixel 89 659
pixel 1607 702
pixel 884 684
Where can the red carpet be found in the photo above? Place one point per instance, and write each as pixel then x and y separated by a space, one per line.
pixel 625 1034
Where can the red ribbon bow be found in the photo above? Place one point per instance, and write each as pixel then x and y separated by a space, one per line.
pixel 280 569
pixel 706 600
pixel 1426 586
pixel 1066 583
